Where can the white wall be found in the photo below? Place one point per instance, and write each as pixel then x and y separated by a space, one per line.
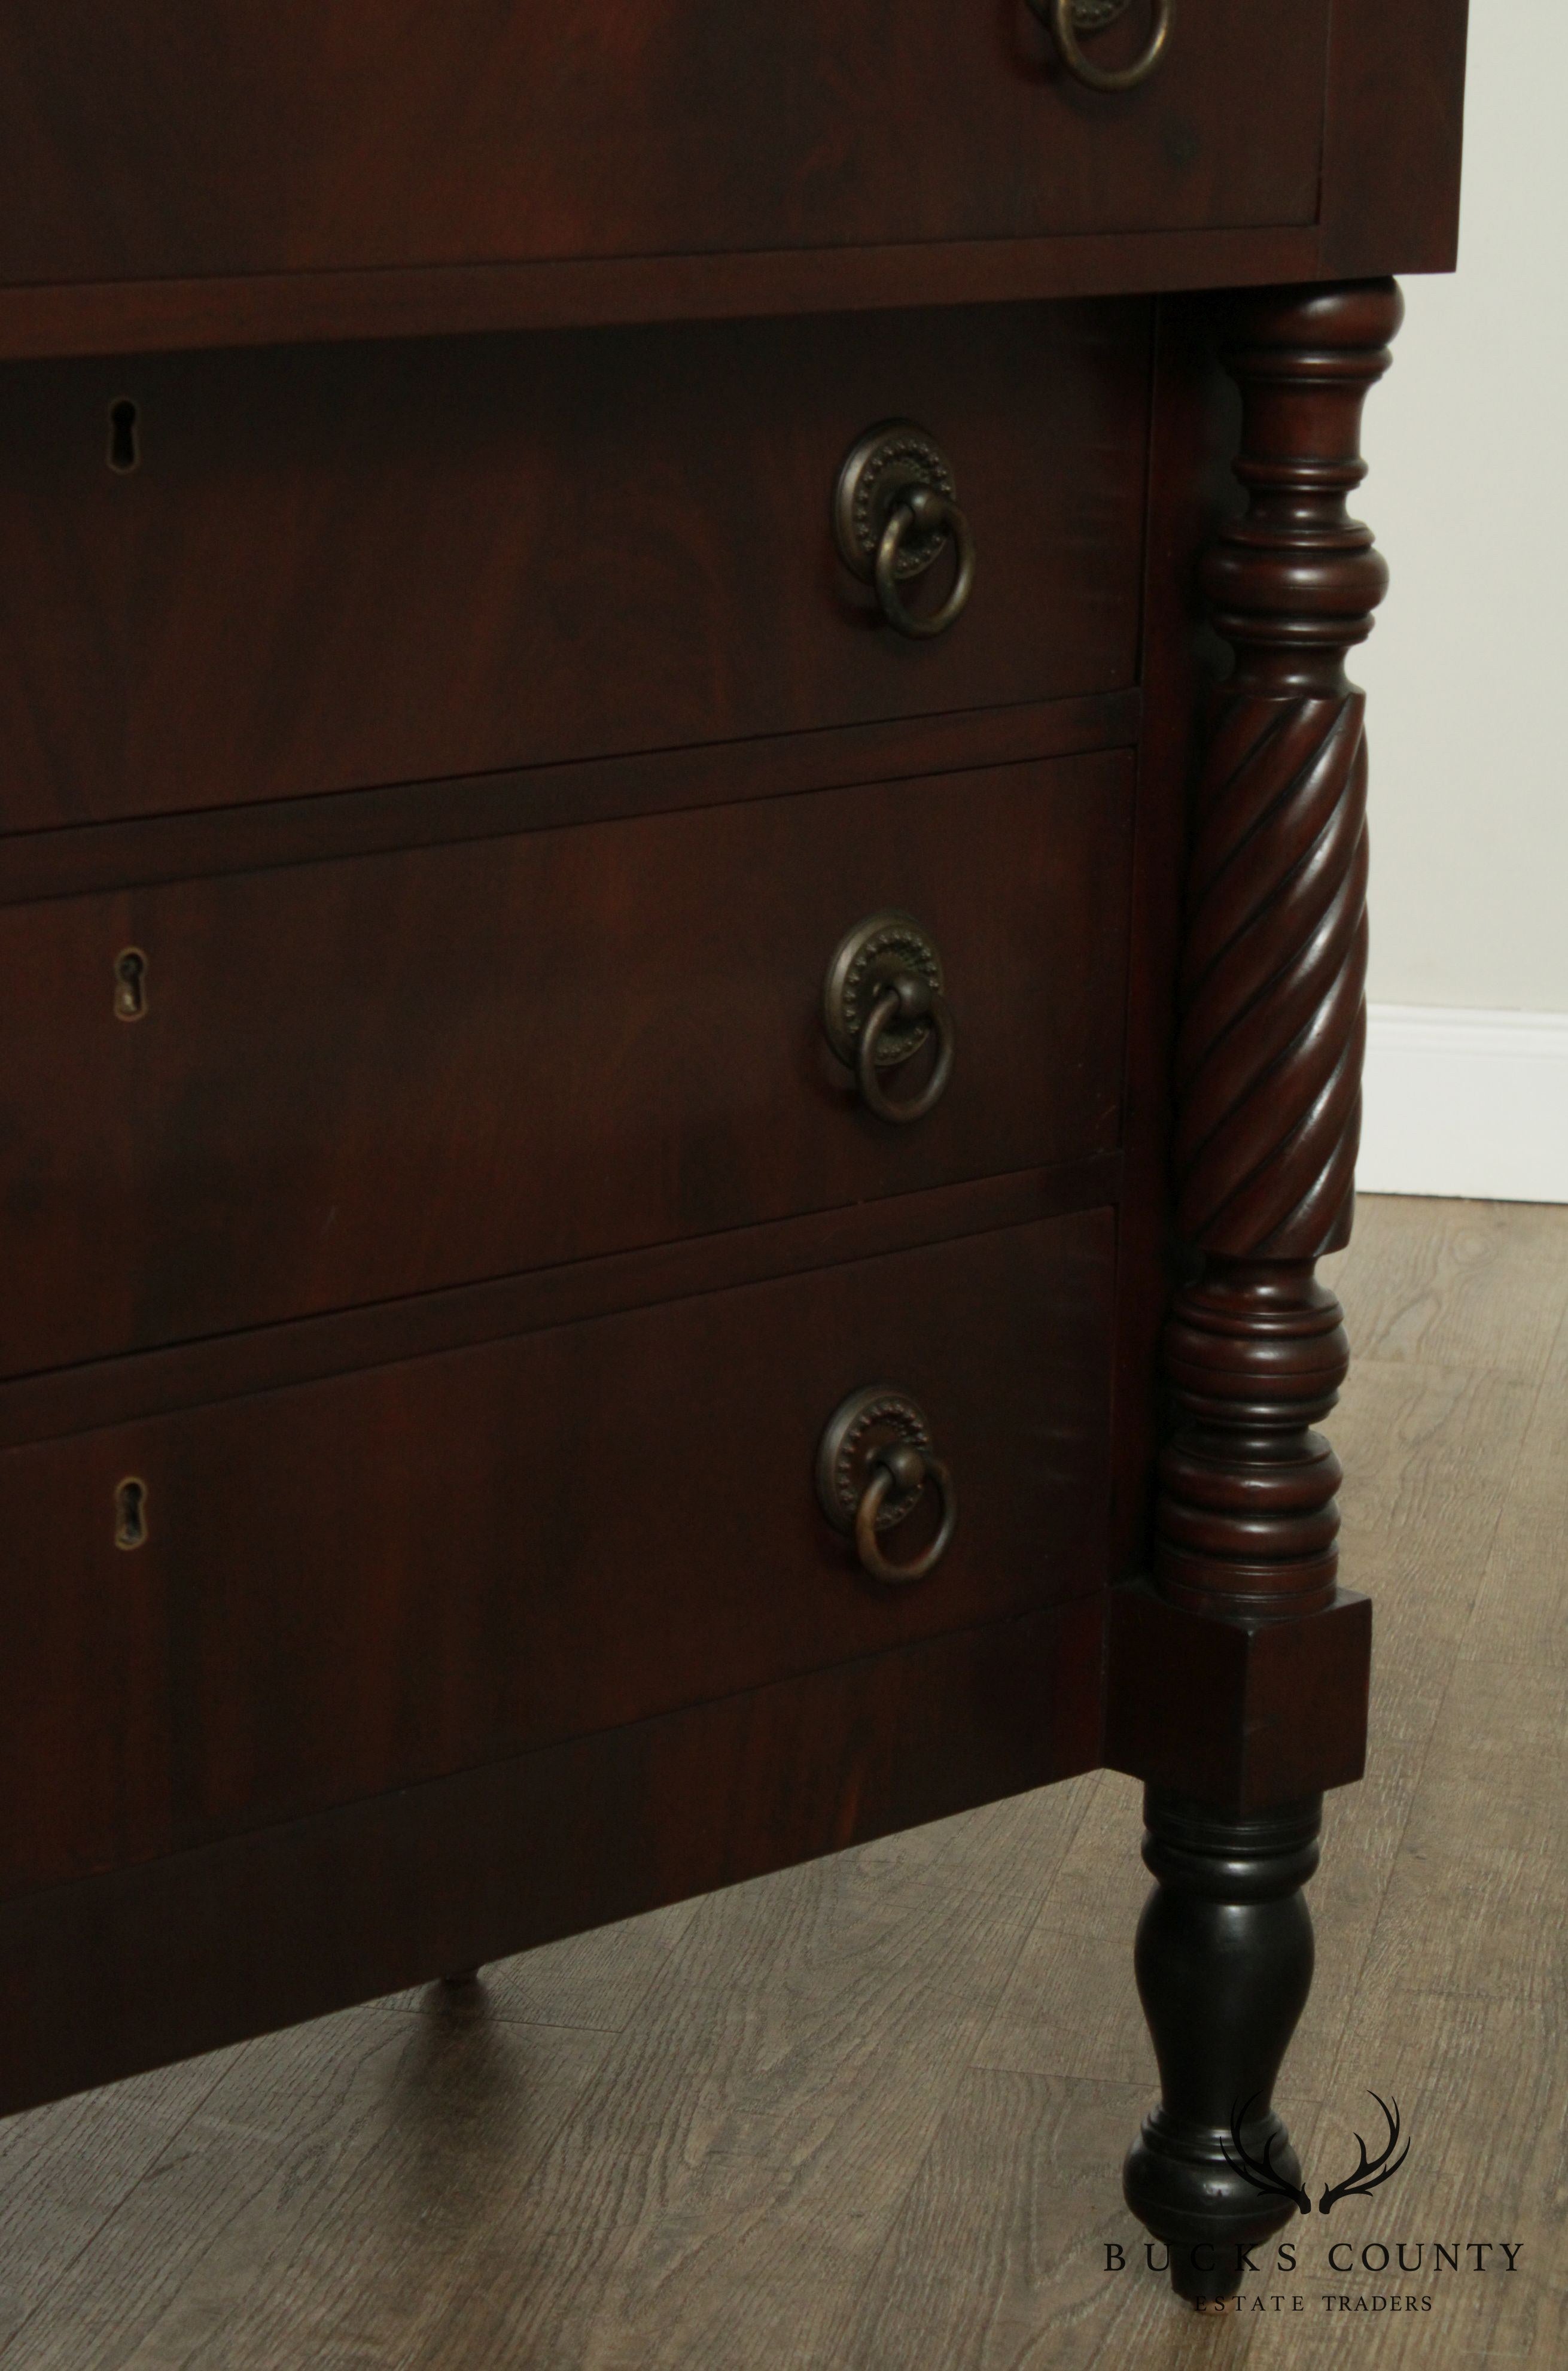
pixel 1467 670
pixel 1467 440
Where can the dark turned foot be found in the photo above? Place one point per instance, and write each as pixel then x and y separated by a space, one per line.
pixel 461 1976
pixel 1224 1967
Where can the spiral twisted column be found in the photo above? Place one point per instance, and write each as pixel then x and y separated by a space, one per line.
pixel 1268 1065
pixel 1268 1117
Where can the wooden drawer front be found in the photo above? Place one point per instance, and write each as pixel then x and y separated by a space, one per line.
pixel 189 138
pixel 357 1584
pixel 341 566
pixel 377 1077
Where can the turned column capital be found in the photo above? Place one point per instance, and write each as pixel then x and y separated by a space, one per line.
pixel 1295 580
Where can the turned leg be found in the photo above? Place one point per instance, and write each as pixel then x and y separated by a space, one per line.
pixel 1245 1599
pixel 1224 1963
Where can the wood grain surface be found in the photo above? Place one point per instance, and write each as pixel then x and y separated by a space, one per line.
pixel 111 1976
pixel 204 843
pixel 869 2115
pixel 341 566
pixel 370 1582
pixel 180 141
pixel 360 1081
pixel 133 316
pixel 975 119
pixel 229 1367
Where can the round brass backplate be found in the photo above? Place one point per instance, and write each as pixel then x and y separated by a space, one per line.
pixel 868 1420
pixel 880 467
pixel 871 955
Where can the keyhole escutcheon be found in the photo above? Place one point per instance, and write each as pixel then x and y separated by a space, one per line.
pixel 125 439
pixel 130 984
pixel 130 1513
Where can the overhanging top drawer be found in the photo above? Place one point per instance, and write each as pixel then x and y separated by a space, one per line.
pixel 169 138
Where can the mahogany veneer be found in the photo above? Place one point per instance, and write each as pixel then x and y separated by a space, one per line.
pixel 181 140
pixel 440 767
pixel 540 1049
pixel 430 1540
pixel 345 566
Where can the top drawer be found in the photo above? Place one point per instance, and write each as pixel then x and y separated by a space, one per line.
pixel 188 137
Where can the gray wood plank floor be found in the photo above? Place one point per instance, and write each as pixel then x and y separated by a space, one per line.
pixel 869 2116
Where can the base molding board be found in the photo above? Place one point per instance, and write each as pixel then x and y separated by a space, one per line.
pixel 1466 1103
pixel 112 1974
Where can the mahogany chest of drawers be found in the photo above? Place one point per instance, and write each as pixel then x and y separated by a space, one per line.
pixel 668 1003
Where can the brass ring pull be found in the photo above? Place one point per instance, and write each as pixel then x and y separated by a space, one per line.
pixel 903 1469
pixel 925 513
pixel 907 997
pixel 874 1465
pixel 894 512
pixel 882 1002
pixel 1065 19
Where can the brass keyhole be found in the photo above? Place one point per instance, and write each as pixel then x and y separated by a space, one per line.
pixel 124 445
pixel 130 984
pixel 130 1513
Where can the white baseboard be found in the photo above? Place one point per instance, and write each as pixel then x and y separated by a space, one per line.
pixel 1465 1103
